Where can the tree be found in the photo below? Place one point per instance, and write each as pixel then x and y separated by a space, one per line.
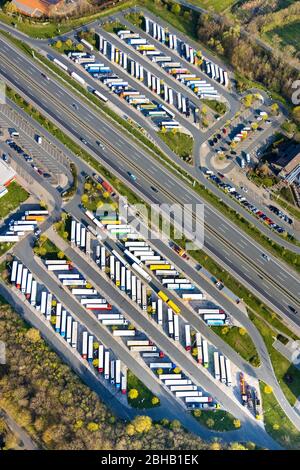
pixel 177 370
pixel 242 331
pixel 159 371
pixel 10 7
pixel 87 186
pixel 296 113
pixel 42 251
pixel 176 9
pixel 215 446
pixel 237 446
pixel 187 15
pixel 268 389
pixel 133 394
pixel 155 401
pixel 58 44
pixel 43 204
pixel 236 423
pixel 84 199
pixel 142 424
pixel 93 426
pixel 80 47
pixel 130 430
pixel 210 423
pixel 248 99
pixel 60 255
pixel 175 425
pixel 274 108
pixel 68 43
pixel 33 335
pixel 276 427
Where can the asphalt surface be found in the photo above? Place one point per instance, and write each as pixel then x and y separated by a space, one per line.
pixel 133 152
pixel 246 252
pixel 199 137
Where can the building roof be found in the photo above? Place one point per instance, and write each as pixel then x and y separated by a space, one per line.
pixel 36 7
pixel 6 174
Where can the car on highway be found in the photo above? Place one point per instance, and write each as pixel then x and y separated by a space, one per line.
pixel 293 310
pixel 5 157
pixel 75 106
pixel 266 257
pixel 45 76
pixel 83 140
pixel 132 176
pixel 154 189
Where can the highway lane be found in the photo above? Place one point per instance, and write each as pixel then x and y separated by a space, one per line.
pixel 252 250
pixel 195 172
pixel 199 138
pixel 83 165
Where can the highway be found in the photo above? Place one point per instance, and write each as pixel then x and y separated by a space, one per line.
pixel 199 137
pixel 279 287
pixel 21 251
pixel 230 246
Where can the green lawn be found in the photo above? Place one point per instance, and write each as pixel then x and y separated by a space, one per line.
pixel 241 343
pixel 185 25
pixel 4 247
pixel 282 367
pixel 179 143
pixel 217 420
pixel 145 395
pixel 277 423
pixel 46 249
pixel 15 196
pixel 289 34
pixel 217 5
pixel 286 194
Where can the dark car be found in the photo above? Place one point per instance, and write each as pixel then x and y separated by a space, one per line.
pixel 292 309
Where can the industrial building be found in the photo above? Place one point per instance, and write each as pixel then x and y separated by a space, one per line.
pixel 7 175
